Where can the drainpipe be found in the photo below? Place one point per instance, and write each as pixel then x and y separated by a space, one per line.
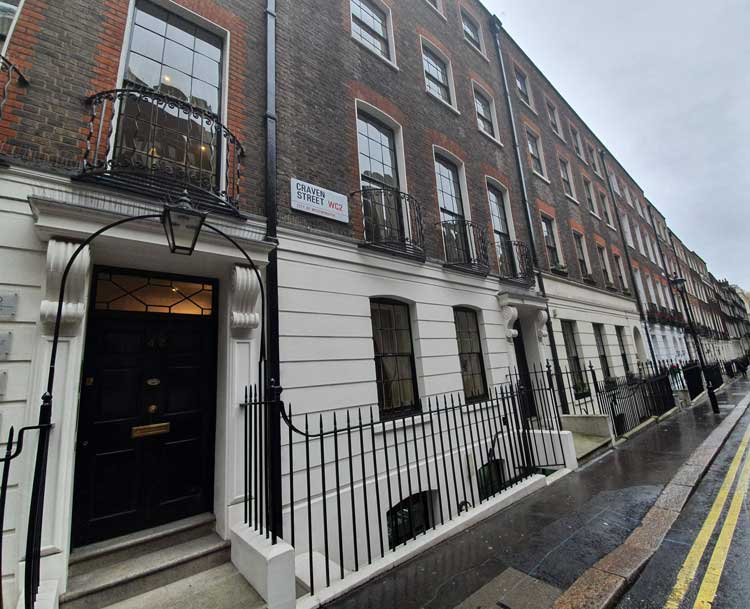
pixel 602 155
pixel 271 378
pixel 497 28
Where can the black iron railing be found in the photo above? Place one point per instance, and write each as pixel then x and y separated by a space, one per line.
pixel 465 246
pixel 358 487
pixel 9 74
pixel 691 371
pixel 158 146
pixel 33 553
pixel 392 220
pixel 713 375
pixel 514 261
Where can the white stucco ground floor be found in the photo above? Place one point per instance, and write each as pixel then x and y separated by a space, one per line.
pixel 126 286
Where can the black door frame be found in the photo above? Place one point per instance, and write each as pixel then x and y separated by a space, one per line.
pixel 213 320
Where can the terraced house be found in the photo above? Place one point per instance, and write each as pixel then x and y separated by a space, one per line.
pixel 412 275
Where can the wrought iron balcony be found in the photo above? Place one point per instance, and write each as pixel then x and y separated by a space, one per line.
pixel 465 246
pixel 9 74
pixel 392 221
pixel 514 261
pixel 158 146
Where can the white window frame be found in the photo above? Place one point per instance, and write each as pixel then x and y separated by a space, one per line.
pixel 424 43
pixel 594 162
pixel 11 28
pixel 459 163
pixel 503 189
pixel 530 104
pixel 556 235
pixel 463 13
pixel 621 266
pixel 493 112
pixel 585 247
pixel 615 183
pixel 569 174
pixel 607 268
pixel 391 59
pixel 559 131
pixel 440 9
pixel 575 137
pixel 538 138
pixel 588 188
pixel 639 239
pixel 628 231
pixel 628 196
pixel 607 211
pixel 398 137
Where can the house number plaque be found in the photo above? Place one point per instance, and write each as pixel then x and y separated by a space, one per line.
pixel 8 305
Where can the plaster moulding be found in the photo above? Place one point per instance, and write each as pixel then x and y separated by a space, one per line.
pixel 541 327
pixel 245 291
pixel 510 315
pixel 74 299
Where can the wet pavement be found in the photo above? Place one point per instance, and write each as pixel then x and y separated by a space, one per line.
pixel 524 556
pixel 668 582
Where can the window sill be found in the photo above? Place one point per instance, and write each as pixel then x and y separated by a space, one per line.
pixel 391 64
pixel 525 103
pixel 479 52
pixel 492 138
pixel 597 216
pixel 559 270
pixel 612 226
pixel 445 103
pixel 572 198
pixel 581 157
pixel 540 176
pixel 559 136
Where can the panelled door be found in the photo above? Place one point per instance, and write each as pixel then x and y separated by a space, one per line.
pixel 146 423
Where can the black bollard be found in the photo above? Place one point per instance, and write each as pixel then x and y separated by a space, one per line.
pixel 712 397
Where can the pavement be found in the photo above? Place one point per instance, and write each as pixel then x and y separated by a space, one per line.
pixel 530 555
pixel 704 559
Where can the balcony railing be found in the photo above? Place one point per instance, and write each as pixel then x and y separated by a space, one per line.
pixel 465 246
pixel 392 221
pixel 158 146
pixel 9 74
pixel 514 261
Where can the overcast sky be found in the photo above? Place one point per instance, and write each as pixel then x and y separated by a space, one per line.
pixel 665 84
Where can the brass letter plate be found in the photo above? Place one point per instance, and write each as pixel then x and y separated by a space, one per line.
pixel 149 430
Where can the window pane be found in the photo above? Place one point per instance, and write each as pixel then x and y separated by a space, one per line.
pixel 208 44
pixel 143 72
pixel 151 17
pixel 206 69
pixel 178 56
pixel 449 189
pixel 181 31
pixel 147 43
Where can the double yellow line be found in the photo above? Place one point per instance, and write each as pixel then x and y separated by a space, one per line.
pixel 710 583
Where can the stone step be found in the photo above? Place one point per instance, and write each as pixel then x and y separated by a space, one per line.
pixel 112 551
pixel 221 587
pixel 138 574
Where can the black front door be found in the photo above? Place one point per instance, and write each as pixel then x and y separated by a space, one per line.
pixel 146 423
pixel 524 376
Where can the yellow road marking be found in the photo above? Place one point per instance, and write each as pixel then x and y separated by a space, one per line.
pixel 690 566
pixel 710 583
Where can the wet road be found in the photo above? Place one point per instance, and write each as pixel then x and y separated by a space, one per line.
pixel 524 556
pixel 704 563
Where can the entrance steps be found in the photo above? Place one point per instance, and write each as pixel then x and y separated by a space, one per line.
pixel 180 564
